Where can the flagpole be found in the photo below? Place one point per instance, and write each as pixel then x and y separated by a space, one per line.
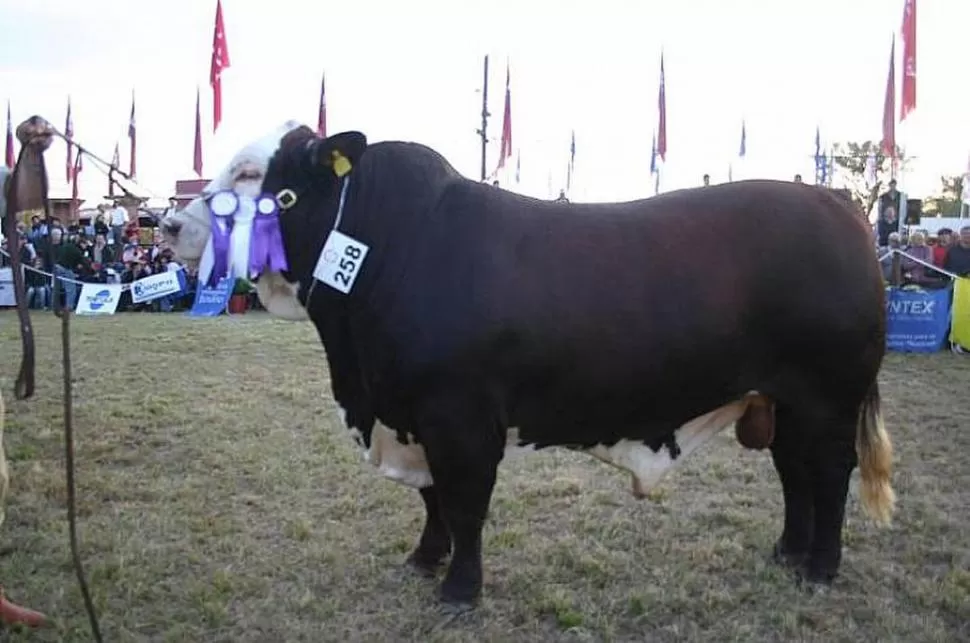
pixel 483 131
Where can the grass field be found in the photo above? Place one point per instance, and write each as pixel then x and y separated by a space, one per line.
pixel 221 501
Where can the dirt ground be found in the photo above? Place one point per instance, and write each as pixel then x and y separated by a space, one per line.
pixel 220 500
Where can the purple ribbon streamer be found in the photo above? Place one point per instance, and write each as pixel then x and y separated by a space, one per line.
pixel 266 245
pixel 221 232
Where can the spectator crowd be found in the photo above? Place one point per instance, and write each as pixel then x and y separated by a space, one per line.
pixel 107 251
pixel 922 251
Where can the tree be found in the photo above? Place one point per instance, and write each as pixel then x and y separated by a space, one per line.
pixel 852 158
pixel 948 202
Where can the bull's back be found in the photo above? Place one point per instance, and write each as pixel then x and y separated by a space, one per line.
pixel 704 261
pixel 594 301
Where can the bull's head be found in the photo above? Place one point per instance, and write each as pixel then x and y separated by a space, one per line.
pixel 291 156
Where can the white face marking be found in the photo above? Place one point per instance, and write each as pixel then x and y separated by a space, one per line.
pixel 187 231
pixel 408 465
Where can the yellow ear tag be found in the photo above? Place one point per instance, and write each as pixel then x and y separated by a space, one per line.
pixel 341 164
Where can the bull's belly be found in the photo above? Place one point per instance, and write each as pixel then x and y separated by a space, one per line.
pixel 408 465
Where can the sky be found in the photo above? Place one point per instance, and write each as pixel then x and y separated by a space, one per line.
pixel 413 71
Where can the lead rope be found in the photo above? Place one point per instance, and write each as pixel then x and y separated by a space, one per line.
pixel 24 387
pixel 336 225
pixel 65 315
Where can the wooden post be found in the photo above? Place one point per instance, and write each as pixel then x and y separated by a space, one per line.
pixel 897 274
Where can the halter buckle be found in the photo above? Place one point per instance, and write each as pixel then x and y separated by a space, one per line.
pixel 286 198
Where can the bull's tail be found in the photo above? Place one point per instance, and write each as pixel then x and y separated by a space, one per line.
pixel 875 451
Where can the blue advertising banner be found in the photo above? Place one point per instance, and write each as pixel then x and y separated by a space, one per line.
pixel 212 301
pixel 917 320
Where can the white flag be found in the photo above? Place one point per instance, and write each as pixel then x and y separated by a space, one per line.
pixel 871 169
pixel 966 183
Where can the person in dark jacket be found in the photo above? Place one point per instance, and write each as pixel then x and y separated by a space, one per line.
pixel 38 285
pixel 69 262
pixel 958 256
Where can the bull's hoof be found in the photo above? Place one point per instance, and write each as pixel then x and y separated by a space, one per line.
pixel 816 579
pixel 792 560
pixel 814 584
pixel 458 597
pixel 457 608
pixel 426 566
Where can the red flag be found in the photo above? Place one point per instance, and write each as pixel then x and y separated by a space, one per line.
pixel 889 108
pixel 132 136
pixel 197 160
pixel 908 97
pixel 10 160
pixel 69 133
pixel 662 107
pixel 75 173
pixel 115 162
pixel 220 61
pixel 506 149
pixel 322 115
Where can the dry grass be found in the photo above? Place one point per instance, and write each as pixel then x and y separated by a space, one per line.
pixel 221 501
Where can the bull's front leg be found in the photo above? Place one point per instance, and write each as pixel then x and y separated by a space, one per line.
pixel 435 542
pixel 463 451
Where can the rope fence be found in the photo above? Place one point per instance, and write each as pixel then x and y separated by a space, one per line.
pixel 896 251
pixel 124 287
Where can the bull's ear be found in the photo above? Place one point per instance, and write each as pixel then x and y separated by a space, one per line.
pixel 338 153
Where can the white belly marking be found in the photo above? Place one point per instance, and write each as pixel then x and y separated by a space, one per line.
pixel 648 467
pixel 408 464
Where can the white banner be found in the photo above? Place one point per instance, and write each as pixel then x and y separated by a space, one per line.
pixel 7 293
pixel 155 286
pixel 98 299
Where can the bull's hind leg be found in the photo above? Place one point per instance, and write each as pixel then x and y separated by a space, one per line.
pixel 834 457
pixel 814 457
pixel 789 453
pixel 435 542
pixel 463 451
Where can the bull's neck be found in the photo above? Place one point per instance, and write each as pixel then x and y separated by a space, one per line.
pixel 340 331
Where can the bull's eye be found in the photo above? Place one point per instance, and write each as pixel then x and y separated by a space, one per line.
pixel 266 205
pixel 249 175
pixel 224 203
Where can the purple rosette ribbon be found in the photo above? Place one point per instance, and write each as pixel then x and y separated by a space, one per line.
pixel 266 244
pixel 222 207
pixel 221 232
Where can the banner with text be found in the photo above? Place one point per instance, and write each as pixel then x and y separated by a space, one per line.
pixel 98 299
pixel 212 301
pixel 7 296
pixel 155 286
pixel 917 320
pixel 960 331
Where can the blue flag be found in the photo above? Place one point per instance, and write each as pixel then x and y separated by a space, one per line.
pixel 211 301
pixel 820 165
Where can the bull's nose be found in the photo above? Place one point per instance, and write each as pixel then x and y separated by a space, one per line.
pixel 171 228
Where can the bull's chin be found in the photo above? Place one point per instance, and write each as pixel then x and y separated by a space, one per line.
pixel 278 297
pixel 190 264
pixel 184 259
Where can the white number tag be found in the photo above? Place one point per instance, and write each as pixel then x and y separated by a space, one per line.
pixel 340 261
